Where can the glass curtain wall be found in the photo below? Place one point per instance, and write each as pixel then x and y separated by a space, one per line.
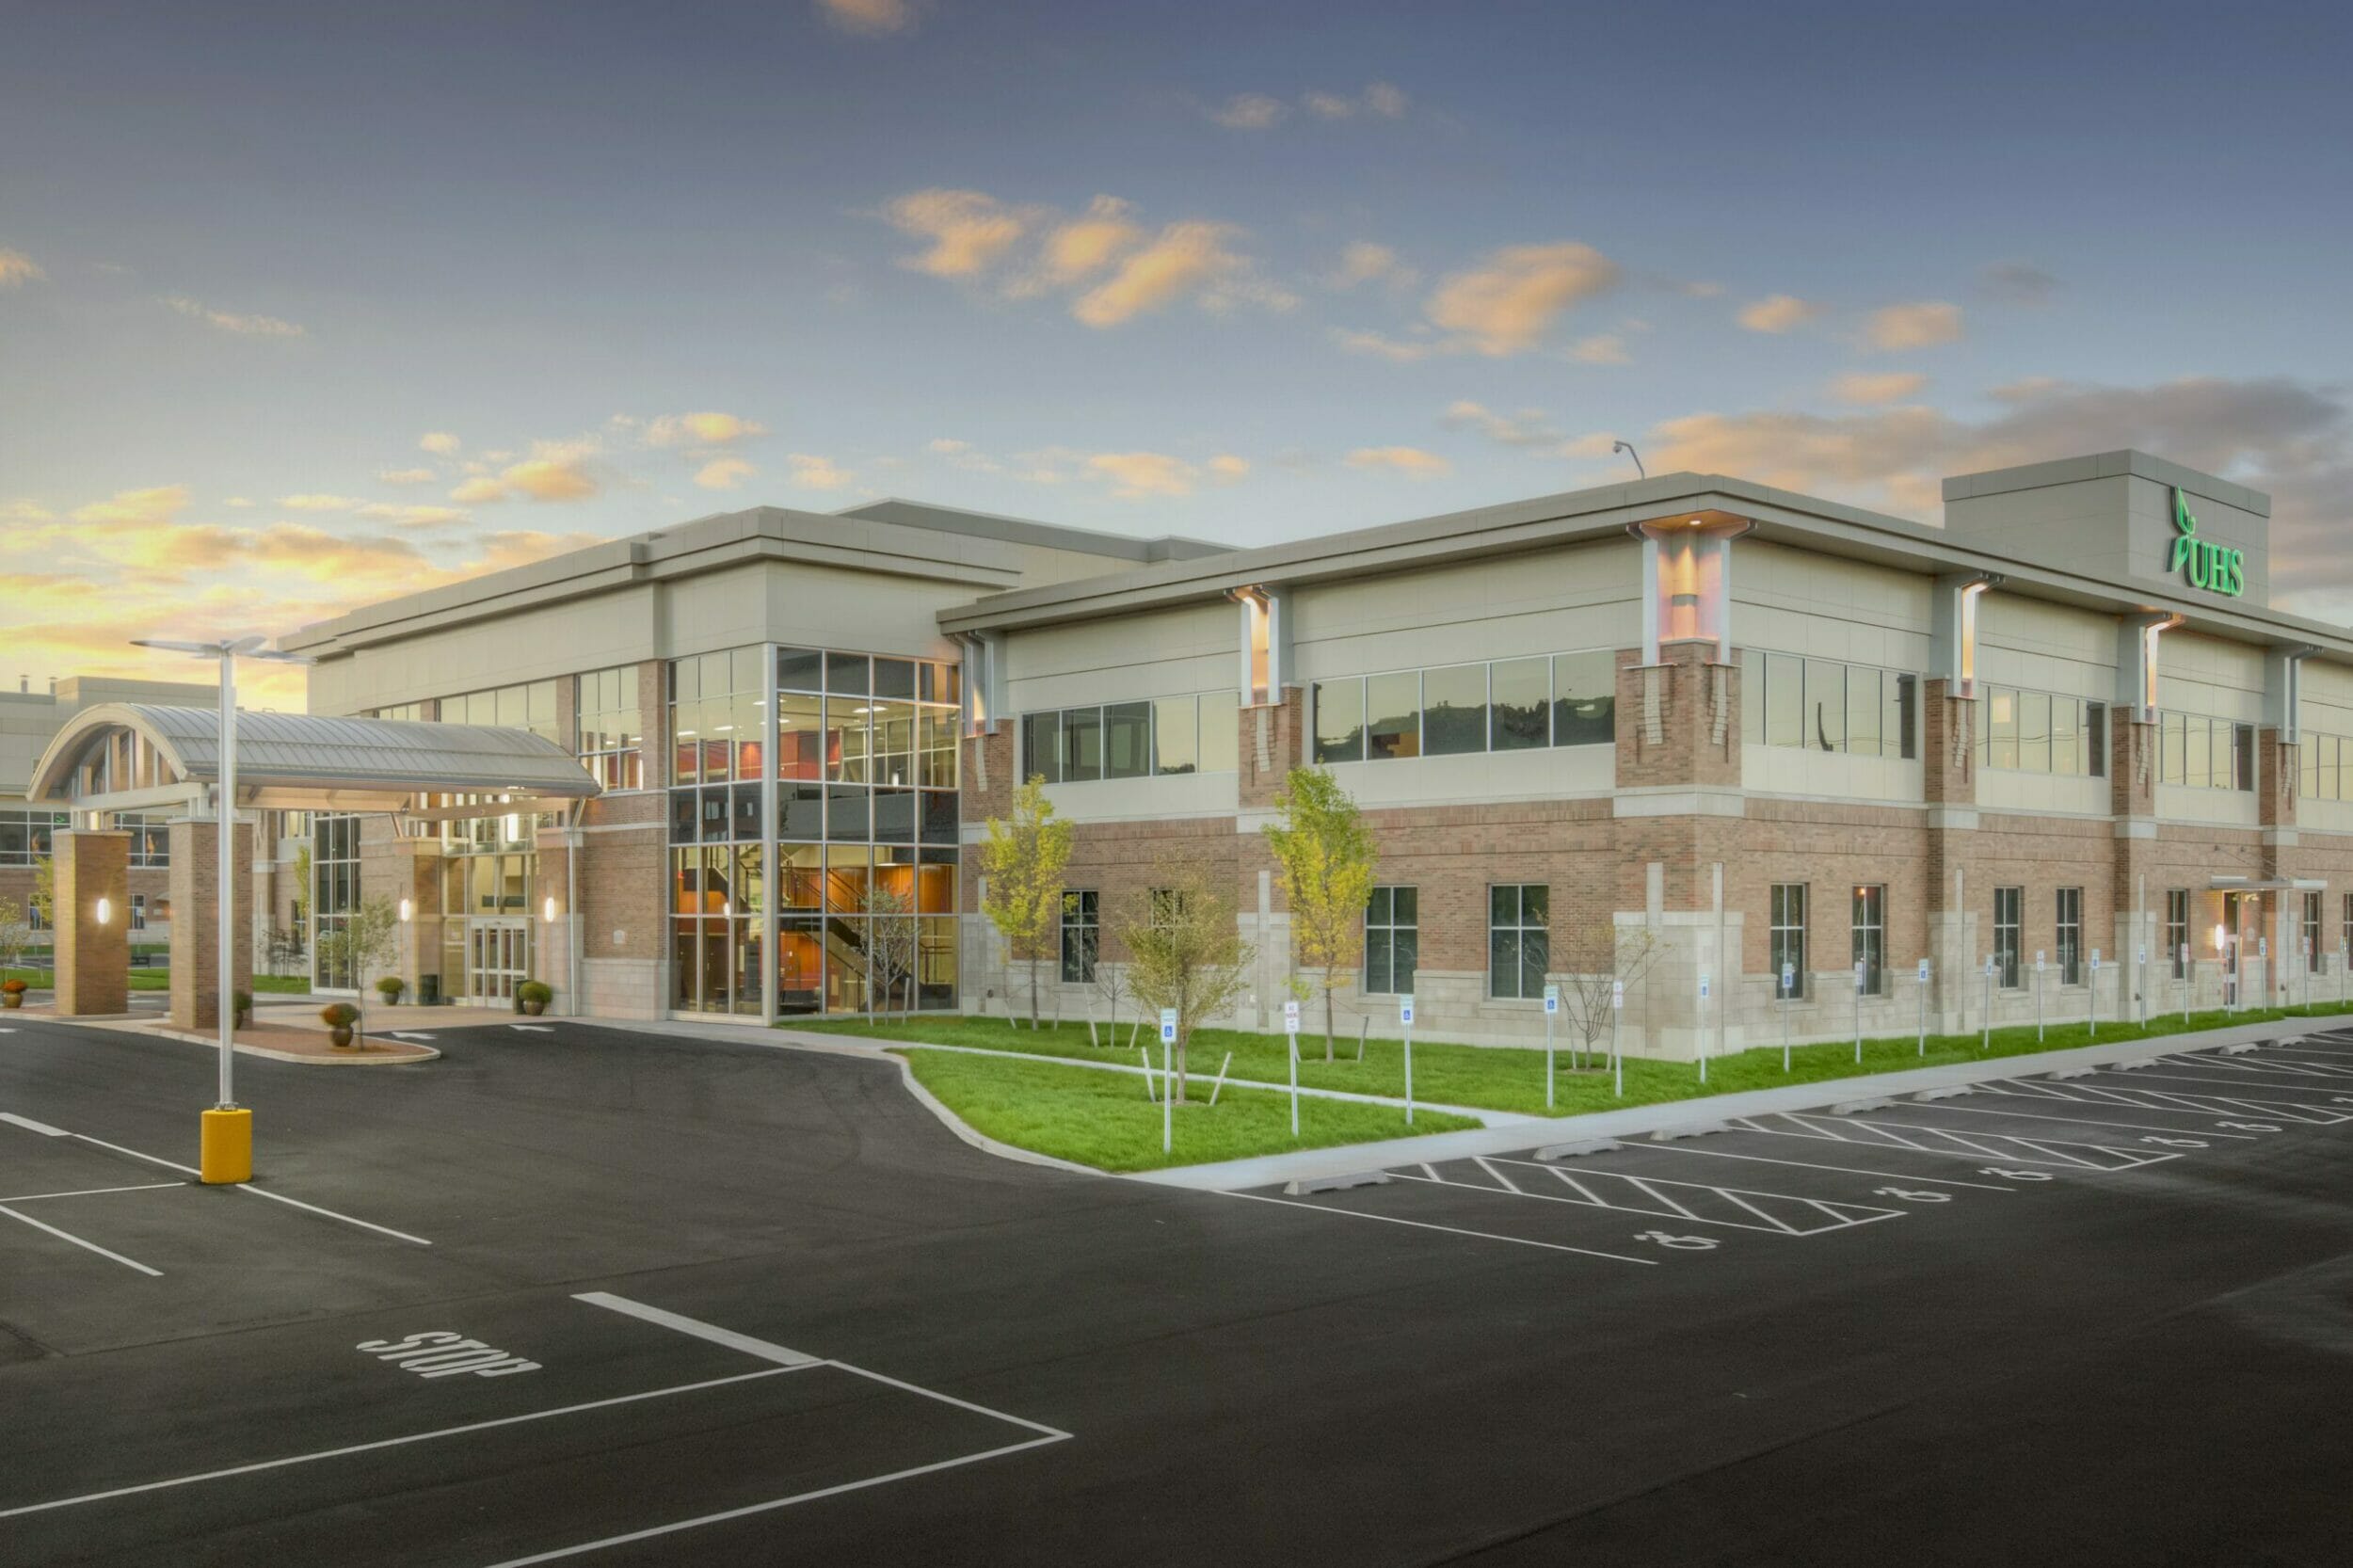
pixel 861 849
pixel 334 891
pixel 489 866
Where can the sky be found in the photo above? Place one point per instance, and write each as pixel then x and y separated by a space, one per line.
pixel 303 307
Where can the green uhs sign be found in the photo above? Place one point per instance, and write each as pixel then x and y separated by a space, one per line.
pixel 2217 568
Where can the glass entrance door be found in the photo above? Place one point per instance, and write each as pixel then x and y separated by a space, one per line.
pixel 498 959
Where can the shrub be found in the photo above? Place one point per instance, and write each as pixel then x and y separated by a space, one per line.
pixel 241 1002
pixel 14 987
pixel 536 991
pixel 339 1015
pixel 390 987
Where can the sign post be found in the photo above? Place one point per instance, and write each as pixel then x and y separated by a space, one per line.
pixel 2094 1020
pixel 2183 953
pixel 1405 1017
pixel 1986 1041
pixel 1858 1012
pixel 1703 1026
pixel 1923 1007
pixel 2140 997
pixel 1290 1036
pixel 1552 1006
pixel 1617 1006
pixel 2038 996
pixel 1168 1084
pixel 1789 978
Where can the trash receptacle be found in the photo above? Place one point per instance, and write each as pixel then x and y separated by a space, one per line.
pixel 428 990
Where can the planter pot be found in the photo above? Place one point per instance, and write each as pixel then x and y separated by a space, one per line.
pixel 341 1034
pixel 535 1008
pixel 12 998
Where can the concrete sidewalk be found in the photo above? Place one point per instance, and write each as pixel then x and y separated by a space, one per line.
pixel 1641 1121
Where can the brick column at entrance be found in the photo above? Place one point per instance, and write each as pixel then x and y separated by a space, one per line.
pixel 93 960
pixel 195 922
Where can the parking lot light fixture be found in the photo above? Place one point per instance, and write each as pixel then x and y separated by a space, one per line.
pixel 224 1139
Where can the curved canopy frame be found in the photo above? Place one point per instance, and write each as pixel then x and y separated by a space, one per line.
pixel 129 756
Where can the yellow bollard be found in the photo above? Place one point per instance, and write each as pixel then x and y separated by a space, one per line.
pixel 226 1147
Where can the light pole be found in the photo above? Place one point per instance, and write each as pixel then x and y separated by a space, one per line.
pixel 226 1141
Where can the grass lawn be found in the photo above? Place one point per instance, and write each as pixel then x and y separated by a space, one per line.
pixel 1499 1078
pixel 1104 1120
pixel 141 979
pixel 281 984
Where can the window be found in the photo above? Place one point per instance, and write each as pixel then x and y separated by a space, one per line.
pixel 1165 906
pixel 1870 938
pixel 151 840
pixel 24 835
pixel 1823 705
pixel 139 911
pixel 2177 929
pixel 2009 907
pixel 2311 933
pixel 406 712
pixel 2043 732
pixel 2344 933
pixel 2202 753
pixel 1509 705
pixel 2071 935
pixel 528 707
pixel 334 891
pixel 610 732
pixel 1519 940
pixel 1082 934
pixel 1786 939
pixel 1392 941
pixel 1130 740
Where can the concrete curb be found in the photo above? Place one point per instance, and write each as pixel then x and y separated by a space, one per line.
pixel 1672 1117
pixel 428 1053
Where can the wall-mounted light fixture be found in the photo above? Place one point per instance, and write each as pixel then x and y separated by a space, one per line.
pixel 106 910
pixel 547 908
pixel 406 909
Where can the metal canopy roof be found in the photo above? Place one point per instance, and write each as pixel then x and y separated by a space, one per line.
pixel 296 758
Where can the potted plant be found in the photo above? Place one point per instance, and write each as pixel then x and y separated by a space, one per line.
pixel 12 993
pixel 339 1016
pixel 242 1005
pixel 533 996
pixel 390 988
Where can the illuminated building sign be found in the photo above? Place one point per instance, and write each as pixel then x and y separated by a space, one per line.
pixel 2216 568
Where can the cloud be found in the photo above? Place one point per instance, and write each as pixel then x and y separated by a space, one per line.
pixel 406 476
pixel 946 446
pixel 1187 258
pixel 1411 461
pixel 1404 351
pixel 1606 349
pixel 1366 263
pixel 700 431
pixel 969 230
pixel 1778 313
pixel 1247 111
pixel 412 517
pixel 1864 387
pixel 1379 101
pixel 1137 475
pixel 871 17
pixel 2017 284
pixel 557 476
pixel 440 442
pixel 479 489
pixel 1921 326
pixel 1080 248
pixel 1226 469
pixel 724 474
pixel 1528 427
pixel 17 268
pixel 1505 305
pixel 317 503
pixel 154 507
pixel 244 326
pixel 817 473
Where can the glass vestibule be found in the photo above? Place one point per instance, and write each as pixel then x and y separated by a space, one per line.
pixel 490 868
pixel 860 845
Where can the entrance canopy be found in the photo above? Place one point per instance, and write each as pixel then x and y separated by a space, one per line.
pixel 126 756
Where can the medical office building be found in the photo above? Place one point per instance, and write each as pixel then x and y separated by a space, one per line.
pixel 1775 732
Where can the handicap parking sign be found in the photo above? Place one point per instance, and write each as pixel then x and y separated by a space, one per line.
pixel 1552 999
pixel 1924 971
pixel 1290 1017
pixel 1168 1026
pixel 1405 1009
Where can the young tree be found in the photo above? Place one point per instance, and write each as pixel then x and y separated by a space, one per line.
pixel 15 936
pixel 44 900
pixel 1324 859
pixel 1627 953
pixel 1187 952
pixel 368 938
pixel 889 945
pixel 1023 859
pixel 1111 986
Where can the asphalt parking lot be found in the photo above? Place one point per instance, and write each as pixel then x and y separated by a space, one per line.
pixel 624 1298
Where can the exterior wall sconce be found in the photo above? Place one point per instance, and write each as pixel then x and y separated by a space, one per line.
pixel 547 909
pixel 105 911
pixel 406 909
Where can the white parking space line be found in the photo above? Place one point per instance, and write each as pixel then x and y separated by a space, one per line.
pixel 87 1246
pixel 386 1443
pixel 1842 1216
pixel 1685 1147
pixel 151 1159
pixel 2273 1068
pixel 2077 1121
pixel 774 1504
pixel 2251 1086
pixel 2172 1101
pixel 1987 1145
pixel 252 1190
pixel 94 1192
pixel 31 1126
pixel 782 1356
pixel 1453 1230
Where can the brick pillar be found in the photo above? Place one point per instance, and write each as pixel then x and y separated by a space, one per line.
pixel 93 959
pixel 195 920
